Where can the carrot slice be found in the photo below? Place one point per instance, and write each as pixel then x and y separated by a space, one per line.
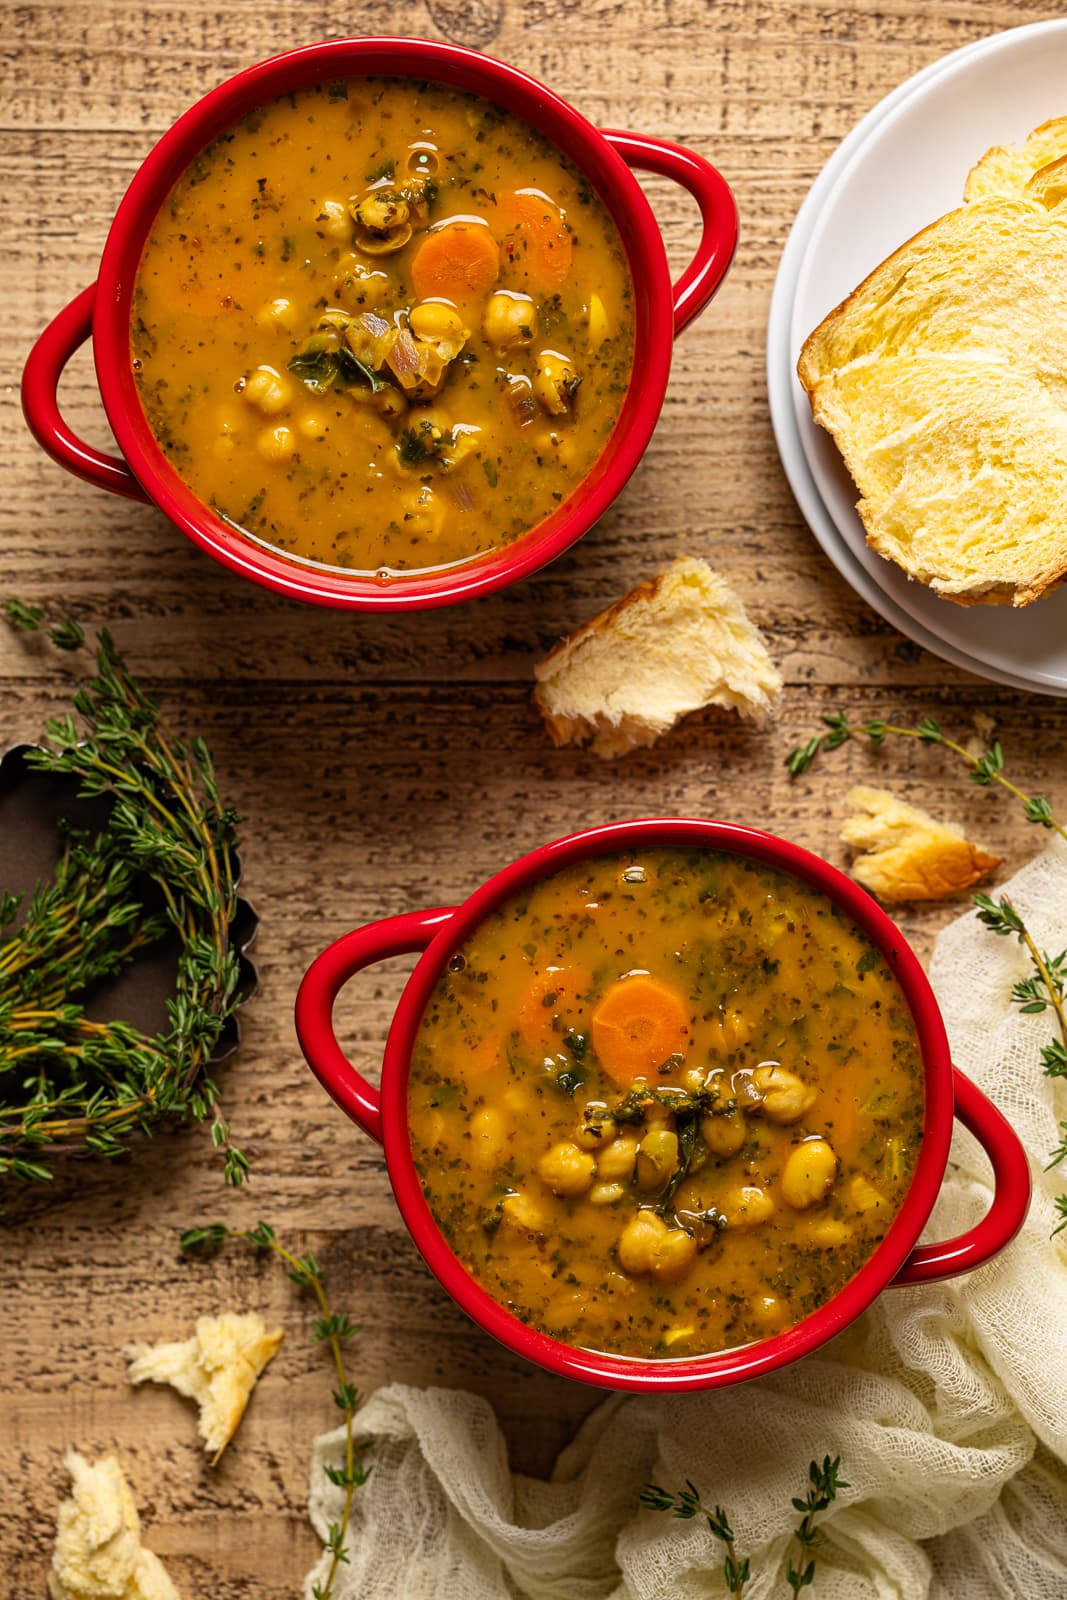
pixel 637 1026
pixel 536 242
pixel 458 261
pixel 554 993
pixel 469 1055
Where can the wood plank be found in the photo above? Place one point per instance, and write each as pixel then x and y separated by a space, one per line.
pixel 382 765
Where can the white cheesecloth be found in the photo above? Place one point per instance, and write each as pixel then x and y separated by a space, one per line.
pixel 947 1404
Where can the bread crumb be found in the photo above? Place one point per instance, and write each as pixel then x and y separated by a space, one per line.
pixel 982 737
pixel 98 1553
pixel 217 1368
pixel 908 855
pixel 676 643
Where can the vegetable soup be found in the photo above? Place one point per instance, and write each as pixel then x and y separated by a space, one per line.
pixel 666 1103
pixel 382 326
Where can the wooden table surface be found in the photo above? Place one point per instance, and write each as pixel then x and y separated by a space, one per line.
pixel 385 765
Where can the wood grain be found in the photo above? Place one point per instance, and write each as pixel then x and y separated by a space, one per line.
pixel 384 765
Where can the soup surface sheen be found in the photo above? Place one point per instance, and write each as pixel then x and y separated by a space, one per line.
pixel 382 326
pixel 667 1103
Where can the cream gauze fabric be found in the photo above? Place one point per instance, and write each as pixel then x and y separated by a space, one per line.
pixel 947 1404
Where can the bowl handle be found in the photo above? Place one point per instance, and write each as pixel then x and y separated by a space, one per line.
pixel 40 404
pixel 718 212
pixel 323 982
pixel 1011 1194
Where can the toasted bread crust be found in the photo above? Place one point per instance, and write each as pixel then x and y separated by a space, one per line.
pixel 905 854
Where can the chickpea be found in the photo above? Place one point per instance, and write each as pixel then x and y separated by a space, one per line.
pixel 567 1170
pixel 521 1213
pixel 487 1137
pixel 334 219
pixel 673 1255
pixel 606 1194
pixel 618 1160
pixel 785 1096
pixel 276 444
pixel 694 1080
pixel 637 1240
pixel 747 1206
pixel 509 320
pixel 440 324
pixel 828 1233
pixel 596 1129
pixel 646 1244
pixel 312 426
pixel 268 391
pixel 555 382
pixel 657 1159
pixel 279 313
pixel 724 1135
pixel 357 285
pixel 808 1174
pixel 769 1311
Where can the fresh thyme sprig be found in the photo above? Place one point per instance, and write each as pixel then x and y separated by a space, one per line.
pixel 824 1484
pixel 66 1080
pixel 986 768
pixel 330 1328
pixel 1045 988
pixel 686 1503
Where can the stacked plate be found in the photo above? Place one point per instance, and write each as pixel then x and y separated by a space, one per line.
pixel 902 167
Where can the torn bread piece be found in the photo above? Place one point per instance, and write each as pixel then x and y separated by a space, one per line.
pixel 1011 169
pixel 98 1553
pixel 908 855
pixel 217 1368
pixel 677 643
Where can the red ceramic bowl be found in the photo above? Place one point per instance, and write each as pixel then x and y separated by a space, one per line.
pixel 661 311
pixel 897 1259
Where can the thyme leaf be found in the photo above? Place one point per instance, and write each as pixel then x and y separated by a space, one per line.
pixel 330 1328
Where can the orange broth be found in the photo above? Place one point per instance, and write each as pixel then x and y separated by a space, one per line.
pixel 382 326
pixel 666 1103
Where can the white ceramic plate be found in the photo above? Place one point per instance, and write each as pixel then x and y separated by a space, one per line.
pixel 900 168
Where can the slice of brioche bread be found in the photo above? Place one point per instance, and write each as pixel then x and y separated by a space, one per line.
pixel 943 380
pixel 907 854
pixel 1009 169
pixel 677 643
pixel 217 1368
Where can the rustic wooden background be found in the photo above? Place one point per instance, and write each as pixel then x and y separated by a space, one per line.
pixel 384 765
